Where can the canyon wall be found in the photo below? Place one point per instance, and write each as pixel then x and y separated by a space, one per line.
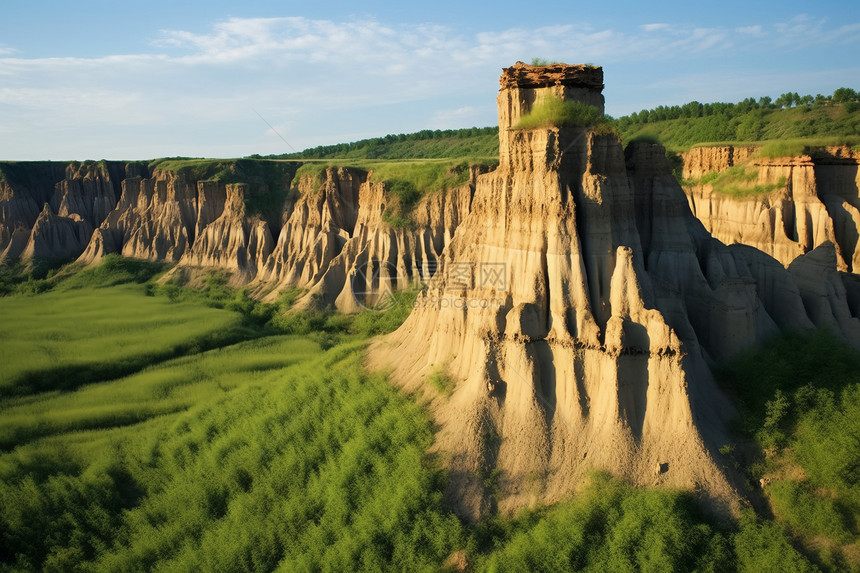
pixel 327 236
pixel 49 210
pixel 806 201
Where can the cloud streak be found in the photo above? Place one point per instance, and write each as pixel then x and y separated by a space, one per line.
pixel 314 76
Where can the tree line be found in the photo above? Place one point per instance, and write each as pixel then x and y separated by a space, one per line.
pixel 695 109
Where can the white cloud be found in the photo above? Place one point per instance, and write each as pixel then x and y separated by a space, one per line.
pixel 655 27
pixel 749 30
pixel 317 77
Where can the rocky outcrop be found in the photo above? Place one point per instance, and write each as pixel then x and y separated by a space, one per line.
pixel 807 201
pixel 701 161
pixel 578 309
pixel 55 237
pixel 319 224
pixel 231 241
pixel 80 192
pixel 154 219
pixel 337 244
pixel 326 235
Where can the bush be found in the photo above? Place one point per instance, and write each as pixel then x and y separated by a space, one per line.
pixel 762 546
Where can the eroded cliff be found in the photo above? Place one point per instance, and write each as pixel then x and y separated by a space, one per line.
pixel 48 210
pixel 325 233
pixel 783 206
pixel 579 307
pixel 337 244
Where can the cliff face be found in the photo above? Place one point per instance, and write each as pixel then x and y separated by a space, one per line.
pixel 808 201
pixel 337 244
pixel 37 197
pixel 225 238
pixel 154 219
pixel 578 308
pixel 328 236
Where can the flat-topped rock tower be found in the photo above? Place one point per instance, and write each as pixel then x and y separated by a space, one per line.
pixel 524 86
pixel 592 306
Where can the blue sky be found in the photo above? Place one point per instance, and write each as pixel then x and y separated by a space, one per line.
pixel 113 80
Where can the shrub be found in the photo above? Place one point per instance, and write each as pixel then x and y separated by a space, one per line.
pixel 442 381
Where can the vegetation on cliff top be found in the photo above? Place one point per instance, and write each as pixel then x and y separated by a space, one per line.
pixel 478 143
pixel 835 117
pixel 737 181
pixel 555 112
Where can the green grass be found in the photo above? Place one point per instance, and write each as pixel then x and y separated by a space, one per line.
pixel 282 453
pixel 475 142
pixel 612 526
pixel 795 147
pixel 441 380
pixel 785 132
pixel 268 454
pixel 737 181
pixel 799 399
pixel 59 340
pixel 555 112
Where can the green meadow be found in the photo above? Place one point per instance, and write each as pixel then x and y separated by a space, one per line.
pixel 58 340
pixel 149 427
pixel 263 454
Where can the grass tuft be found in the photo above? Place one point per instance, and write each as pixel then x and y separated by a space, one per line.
pixel 555 112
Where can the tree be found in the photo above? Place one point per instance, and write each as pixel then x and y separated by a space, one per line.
pixel 845 95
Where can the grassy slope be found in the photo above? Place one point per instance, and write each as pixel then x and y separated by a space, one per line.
pixel 474 143
pixel 817 125
pixel 275 453
pixel 800 404
pixel 64 338
pixel 266 452
pixel 310 459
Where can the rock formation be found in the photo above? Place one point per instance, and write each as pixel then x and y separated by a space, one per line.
pixel 78 195
pixel 153 220
pixel 231 241
pixel 336 239
pixel 814 199
pixel 327 236
pixel 55 237
pixel 579 307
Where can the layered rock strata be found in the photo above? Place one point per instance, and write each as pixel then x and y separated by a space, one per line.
pixel 337 244
pixel 809 200
pixel 48 211
pixel 329 236
pixel 579 307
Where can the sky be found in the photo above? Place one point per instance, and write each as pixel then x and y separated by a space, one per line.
pixel 121 80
